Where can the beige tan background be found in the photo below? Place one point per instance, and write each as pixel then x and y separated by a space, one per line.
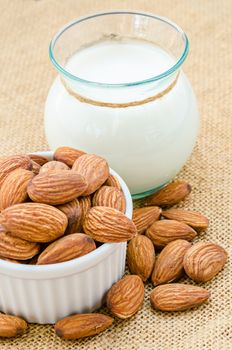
pixel 26 27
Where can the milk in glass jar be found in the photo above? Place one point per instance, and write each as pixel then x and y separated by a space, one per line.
pixel 121 94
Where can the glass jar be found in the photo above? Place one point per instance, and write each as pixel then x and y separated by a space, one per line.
pixel 121 94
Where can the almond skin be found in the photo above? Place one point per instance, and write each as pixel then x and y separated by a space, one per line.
pixel 35 167
pixel 165 231
pixel 94 169
pixel 204 260
pixel 82 325
pixel 113 181
pixel 141 256
pixel 53 165
pixel 11 326
pixel 126 296
pixel 108 196
pixel 106 224
pixel 169 264
pixel 177 297
pixel 169 195
pixel 67 248
pixel 85 205
pixel 73 211
pixel 38 159
pixel 11 163
pixel 145 217
pixel 14 188
pixel 192 218
pixel 55 187
pixel 67 155
pixel 17 248
pixel 34 222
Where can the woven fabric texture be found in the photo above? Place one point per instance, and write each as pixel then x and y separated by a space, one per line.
pixel 26 27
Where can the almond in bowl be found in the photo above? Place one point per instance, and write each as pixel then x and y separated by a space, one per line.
pixel 63 264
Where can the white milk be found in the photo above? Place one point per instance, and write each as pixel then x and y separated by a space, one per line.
pixel 118 62
pixel 146 144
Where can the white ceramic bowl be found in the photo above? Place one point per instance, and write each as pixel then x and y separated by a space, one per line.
pixel 44 294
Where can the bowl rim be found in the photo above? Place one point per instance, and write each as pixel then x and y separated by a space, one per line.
pixel 73 266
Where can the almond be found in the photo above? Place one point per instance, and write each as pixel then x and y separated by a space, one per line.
pixel 82 325
pixel 17 248
pixel 67 155
pixel 67 248
pixel 145 217
pixel 14 188
pixel 35 167
pixel 204 260
pixel 177 297
pixel 169 195
pixel 169 264
pixel 85 205
pixel 11 163
pixel 38 159
pixel 108 196
pixel 126 296
pixel 141 256
pixel 55 187
pixel 11 326
pixel 113 181
pixel 105 224
pixel 73 212
pixel 164 231
pixel 94 169
pixel 192 218
pixel 53 165
pixel 34 222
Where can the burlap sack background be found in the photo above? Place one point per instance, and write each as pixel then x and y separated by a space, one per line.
pixel 26 26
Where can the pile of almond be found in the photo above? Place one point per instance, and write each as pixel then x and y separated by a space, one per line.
pixel 54 211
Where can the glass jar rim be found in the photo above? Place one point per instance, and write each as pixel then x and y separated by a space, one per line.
pixel 160 76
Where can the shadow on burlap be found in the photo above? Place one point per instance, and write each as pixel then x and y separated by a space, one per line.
pixel 26 27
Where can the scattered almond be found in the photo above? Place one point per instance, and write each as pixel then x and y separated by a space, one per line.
pixel 165 231
pixel 177 297
pixel 169 264
pixel 126 296
pixel 82 325
pixel 141 256
pixel 192 218
pixel 169 195
pixel 145 217
pixel 11 326
pixel 204 260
